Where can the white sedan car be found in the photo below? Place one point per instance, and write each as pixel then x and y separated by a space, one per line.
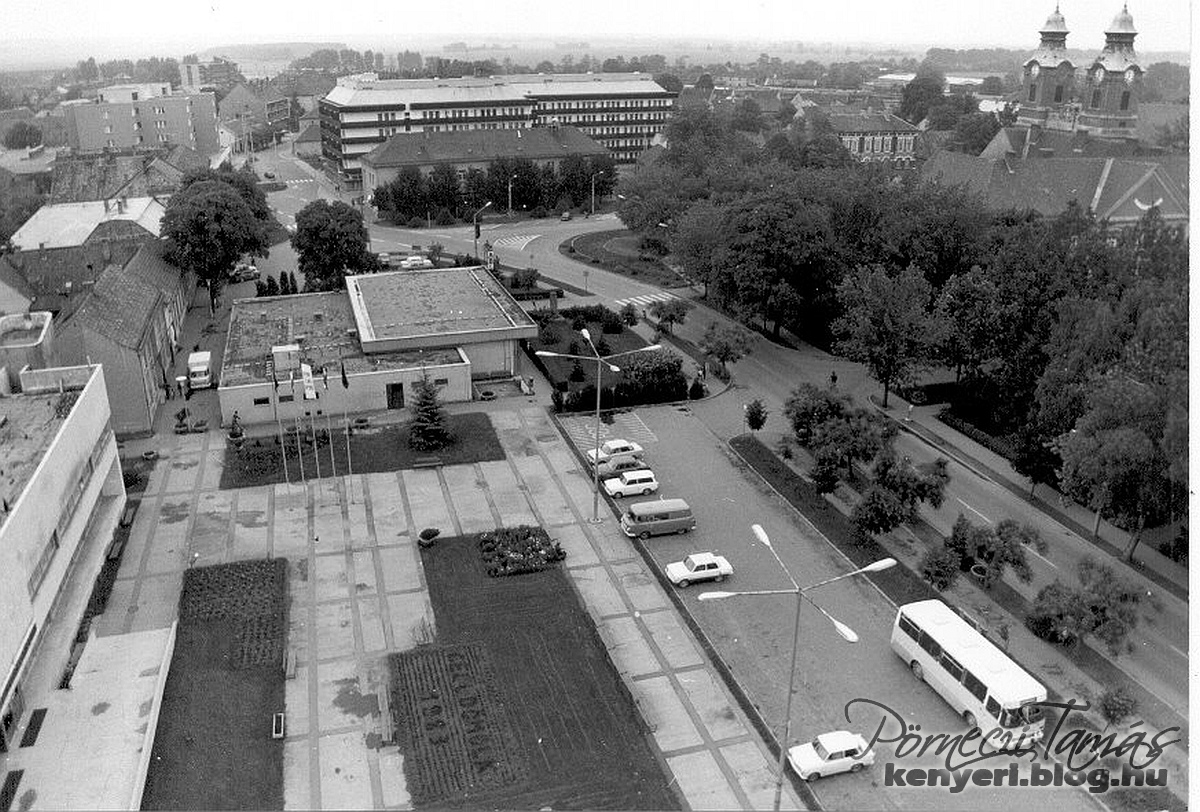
pixel 699 567
pixel 615 448
pixel 631 483
pixel 837 752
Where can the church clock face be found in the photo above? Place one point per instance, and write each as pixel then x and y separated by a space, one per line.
pixel 1130 74
pixel 1034 70
pixel 1099 74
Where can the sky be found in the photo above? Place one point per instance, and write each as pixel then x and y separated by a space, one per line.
pixel 45 26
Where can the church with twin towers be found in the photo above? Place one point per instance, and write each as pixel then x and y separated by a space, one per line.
pixel 1099 97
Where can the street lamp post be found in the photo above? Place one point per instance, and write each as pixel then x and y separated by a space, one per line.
pixel 510 180
pixel 800 592
pixel 475 223
pixel 600 361
pixel 594 176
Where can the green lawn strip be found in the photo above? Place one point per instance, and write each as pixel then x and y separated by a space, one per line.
pixel 374 450
pixel 903 585
pixel 560 707
pixel 213 748
pixel 590 249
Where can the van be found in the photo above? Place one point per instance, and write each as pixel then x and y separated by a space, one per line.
pixel 646 519
pixel 200 370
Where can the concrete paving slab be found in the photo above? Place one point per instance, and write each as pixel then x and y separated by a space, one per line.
pixel 158 602
pixel 345 775
pixel 214 464
pixel 371 621
pixel 425 500
pixel 553 507
pixel 360 531
pixel 665 713
pixel 401 568
pixel 290 537
pixel 613 545
pixel 508 497
pixel 339 697
pixel 117 612
pixel 327 527
pixel 575 541
pixel 600 595
pixel 296 703
pixel 364 572
pixel 185 469
pixel 713 707
pixel 335 637
pixel 672 639
pixel 330 576
pixel 702 782
pixel 627 647
pixel 756 772
pixel 406 612
pixel 387 508
pixel 640 586
pixel 296 768
pixel 391 777
pixel 469 493
pixel 140 536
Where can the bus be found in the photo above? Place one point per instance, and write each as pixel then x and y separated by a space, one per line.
pixel 979 680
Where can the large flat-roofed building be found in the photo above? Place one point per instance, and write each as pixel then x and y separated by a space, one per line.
pixel 218 73
pixel 455 326
pixel 876 136
pixel 625 112
pixel 473 149
pixel 124 116
pixel 61 496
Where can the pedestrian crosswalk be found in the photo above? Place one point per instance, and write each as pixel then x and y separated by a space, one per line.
pixel 298 181
pixel 647 300
pixel 517 241
pixel 625 425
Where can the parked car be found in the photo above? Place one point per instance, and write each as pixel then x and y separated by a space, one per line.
pixel 615 466
pixel 631 483
pixel 699 567
pixel 415 261
pixel 831 753
pixel 269 175
pixel 385 258
pixel 616 448
pixel 566 215
pixel 243 272
pixel 290 228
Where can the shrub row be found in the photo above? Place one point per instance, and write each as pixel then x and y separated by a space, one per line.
pixel 1000 445
pixel 518 550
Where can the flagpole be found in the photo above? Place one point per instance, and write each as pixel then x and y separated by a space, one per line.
pixel 329 424
pixel 312 422
pixel 346 415
pixel 299 450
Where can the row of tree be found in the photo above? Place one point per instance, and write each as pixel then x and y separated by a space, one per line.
pixel 1052 324
pixel 152 69
pixel 413 194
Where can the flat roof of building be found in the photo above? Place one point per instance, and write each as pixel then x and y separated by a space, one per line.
pixel 445 302
pixel 322 324
pixel 352 92
pixel 61 225
pixel 28 425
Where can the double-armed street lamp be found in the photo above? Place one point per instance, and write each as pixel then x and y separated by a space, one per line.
pixel 510 180
pixel 475 223
pixel 801 595
pixel 601 362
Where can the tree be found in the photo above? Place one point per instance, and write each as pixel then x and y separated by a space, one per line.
pixel 208 228
pixel 726 342
pixel 244 181
pixel 922 93
pixel 969 310
pixel 974 132
pixel 669 82
pixel 629 315
pixel 21 135
pixel 441 188
pixel 651 377
pixel 826 152
pixel 1116 704
pixel 699 241
pixel 940 567
pixel 879 511
pixel 1103 606
pixel 747 116
pixel 331 240
pixel 756 415
pixel 429 430
pixel 1174 135
pixel 407 195
pixel 897 491
pixel 887 324
pixel 670 312
pixel 990 551
pixel 810 406
pixel 15 209
pixel 991 86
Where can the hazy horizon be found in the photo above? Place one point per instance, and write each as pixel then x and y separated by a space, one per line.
pixel 61 32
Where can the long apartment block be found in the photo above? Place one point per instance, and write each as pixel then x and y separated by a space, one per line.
pixel 623 111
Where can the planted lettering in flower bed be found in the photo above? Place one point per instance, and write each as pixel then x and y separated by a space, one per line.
pixel 518 550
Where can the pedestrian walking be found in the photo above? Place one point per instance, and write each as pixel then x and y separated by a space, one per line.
pixel 833 379
pixel 531 384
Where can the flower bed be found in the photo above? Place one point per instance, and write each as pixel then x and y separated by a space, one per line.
pixel 518 550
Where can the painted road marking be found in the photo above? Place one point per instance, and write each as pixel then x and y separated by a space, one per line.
pixel 1039 555
pixel 647 300
pixel 973 510
pixel 1182 654
pixel 517 241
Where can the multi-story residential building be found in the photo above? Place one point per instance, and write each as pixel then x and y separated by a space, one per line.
pixel 149 115
pixel 253 114
pixel 61 498
pixel 625 112
pixel 876 136
pixel 473 149
pixel 218 73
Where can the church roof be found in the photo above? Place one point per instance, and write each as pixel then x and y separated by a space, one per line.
pixel 1122 23
pixel 1055 24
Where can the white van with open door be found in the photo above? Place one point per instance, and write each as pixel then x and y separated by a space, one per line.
pixel 200 370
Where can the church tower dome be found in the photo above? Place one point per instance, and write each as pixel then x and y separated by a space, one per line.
pixel 1048 75
pixel 1114 81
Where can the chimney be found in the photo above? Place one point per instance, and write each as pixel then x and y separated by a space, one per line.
pixel 42 251
pixel 122 203
pixel 106 205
